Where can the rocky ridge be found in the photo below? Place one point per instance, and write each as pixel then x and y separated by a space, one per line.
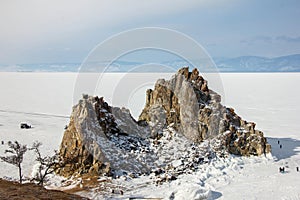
pixel 182 126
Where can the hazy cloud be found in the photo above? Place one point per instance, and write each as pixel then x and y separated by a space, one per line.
pixel 66 30
pixel 257 39
pixel 268 39
pixel 285 38
pixel 24 19
pixel 27 26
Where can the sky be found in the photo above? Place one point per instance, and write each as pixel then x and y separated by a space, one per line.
pixel 65 31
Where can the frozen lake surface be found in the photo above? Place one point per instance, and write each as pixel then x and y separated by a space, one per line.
pixel 271 100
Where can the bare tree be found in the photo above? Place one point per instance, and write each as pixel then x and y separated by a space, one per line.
pixel 17 150
pixel 47 164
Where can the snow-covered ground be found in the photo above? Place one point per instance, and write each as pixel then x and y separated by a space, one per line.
pixel 269 99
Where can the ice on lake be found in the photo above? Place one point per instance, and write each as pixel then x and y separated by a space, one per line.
pixel 271 100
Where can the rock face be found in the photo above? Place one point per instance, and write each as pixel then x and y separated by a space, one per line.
pixel 194 110
pixel 79 148
pixel 100 140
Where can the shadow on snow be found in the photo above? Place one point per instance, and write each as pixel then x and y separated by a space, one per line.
pixel 288 147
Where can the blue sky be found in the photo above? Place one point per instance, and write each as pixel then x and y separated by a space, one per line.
pixel 39 31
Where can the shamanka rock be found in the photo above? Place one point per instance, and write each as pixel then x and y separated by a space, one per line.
pixel 170 138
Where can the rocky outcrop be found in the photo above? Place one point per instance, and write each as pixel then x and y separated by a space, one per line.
pixel 186 102
pixel 179 115
pixel 79 147
pixel 101 139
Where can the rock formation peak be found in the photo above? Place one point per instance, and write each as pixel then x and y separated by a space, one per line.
pixel 196 111
pixel 182 111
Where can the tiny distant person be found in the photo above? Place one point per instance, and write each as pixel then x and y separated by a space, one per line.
pixel 280 146
pixel 297 168
pixel 278 142
pixel 281 169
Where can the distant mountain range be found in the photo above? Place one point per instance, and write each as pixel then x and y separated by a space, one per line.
pixel 290 63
